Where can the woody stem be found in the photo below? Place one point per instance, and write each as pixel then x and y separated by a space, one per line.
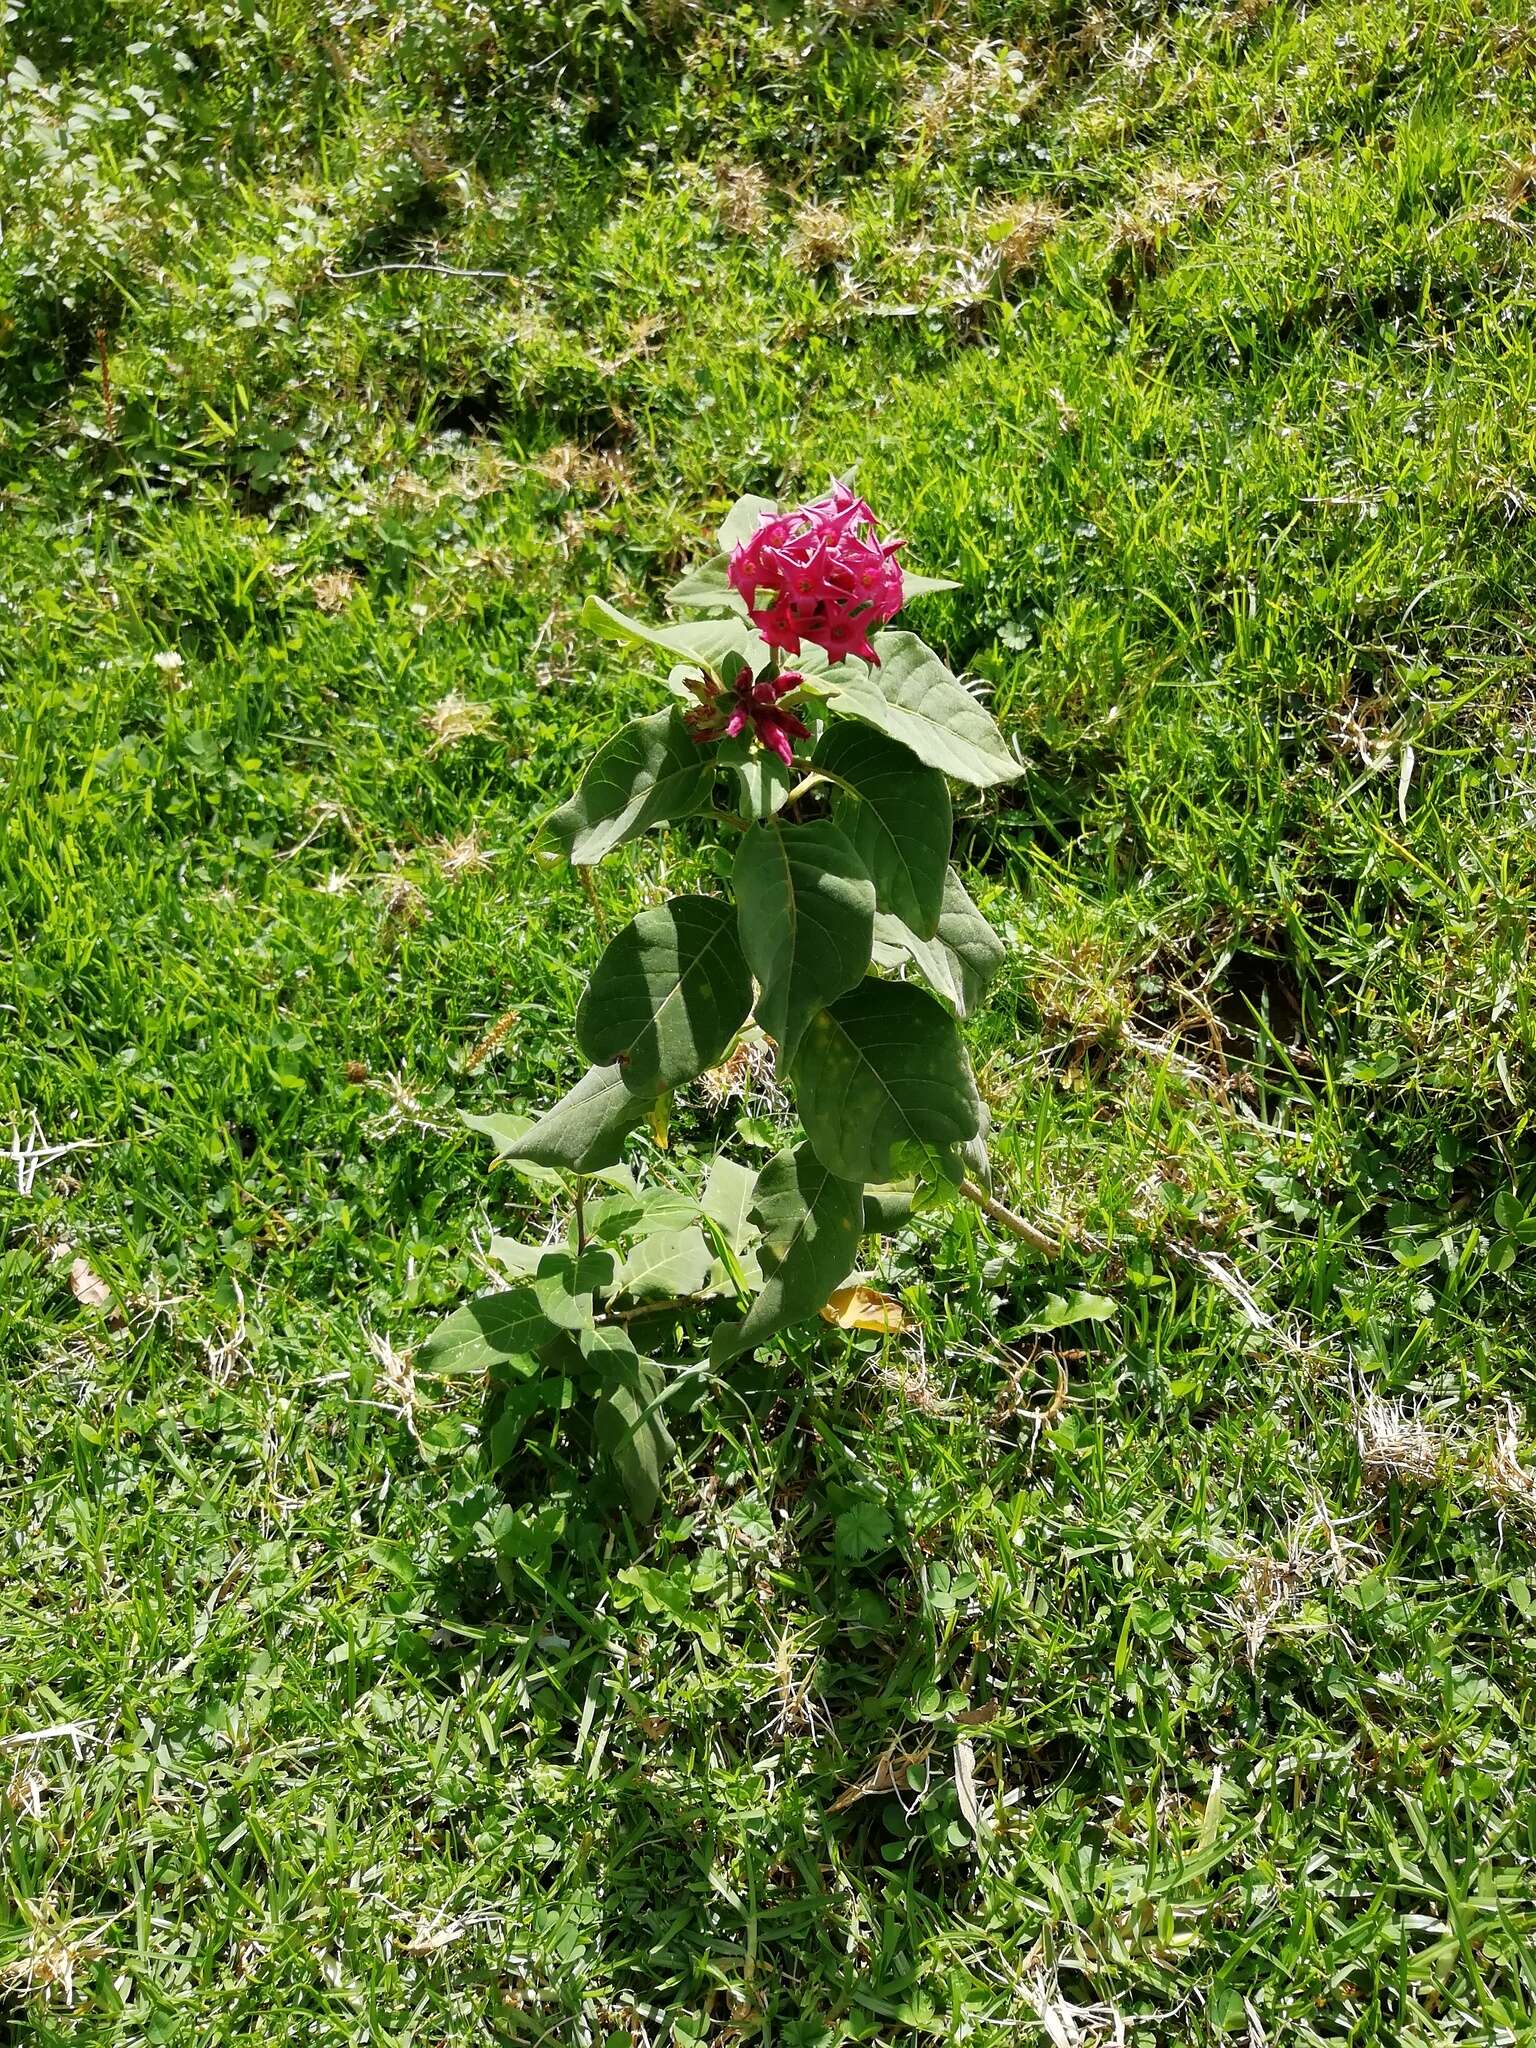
pixel 1021 1227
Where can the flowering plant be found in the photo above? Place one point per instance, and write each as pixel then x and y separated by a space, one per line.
pixel 842 905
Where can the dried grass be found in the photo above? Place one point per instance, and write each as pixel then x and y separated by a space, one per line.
pixel 741 199
pixel 1396 1443
pixel 821 238
pixel 459 857
pixel 333 590
pixel 455 718
pixel 1018 233
pixel 56 1948
pixel 1503 1475
pixel 402 903
pixel 600 472
pixel 1140 233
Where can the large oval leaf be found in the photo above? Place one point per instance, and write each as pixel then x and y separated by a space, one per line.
pixel 960 959
pixel 628 1417
pixel 806 908
pixel 669 995
pixel 586 1129
pixel 898 819
pixel 914 698
pixel 882 1084
pixel 810 1219
pixel 654 769
pixel 519 1320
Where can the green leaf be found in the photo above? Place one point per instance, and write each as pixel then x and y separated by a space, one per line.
pixel 628 1418
pixel 707 640
pixel 516 1322
pixel 961 958
pixel 727 1200
pixel 521 1261
pixel 913 585
pixel 765 783
pixel 976 1158
pixel 515 1408
pixel 506 1134
pixel 1082 1307
pixel 668 996
pixel 744 518
pixel 886 1210
pixel 586 1129
pixel 707 588
pixel 863 1530
pixel 653 770
pixel 640 1212
pixel 898 821
pixel 669 1262
pixel 806 908
pixel 914 698
pixel 881 1082
pixel 810 1221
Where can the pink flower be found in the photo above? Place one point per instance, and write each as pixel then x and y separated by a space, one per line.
pixel 828 576
pixel 755 703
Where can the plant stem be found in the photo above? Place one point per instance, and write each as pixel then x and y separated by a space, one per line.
pixel 587 883
pixel 670 1306
pixel 1029 1233
pixel 581 1215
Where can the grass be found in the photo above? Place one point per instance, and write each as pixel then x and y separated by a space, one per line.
pixel 1161 1677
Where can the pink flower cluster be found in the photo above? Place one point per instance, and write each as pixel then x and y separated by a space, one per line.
pixel 829 577
pixel 755 703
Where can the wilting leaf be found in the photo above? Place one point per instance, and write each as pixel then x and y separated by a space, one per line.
pixel 87 1286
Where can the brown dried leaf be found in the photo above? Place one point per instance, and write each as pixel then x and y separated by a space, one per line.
pixel 888 1773
pixel 965 1785
pixel 87 1287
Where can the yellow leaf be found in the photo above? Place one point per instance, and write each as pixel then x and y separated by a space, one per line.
pixel 861 1308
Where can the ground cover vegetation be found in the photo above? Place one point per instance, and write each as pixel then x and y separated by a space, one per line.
pixel 1131 1644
